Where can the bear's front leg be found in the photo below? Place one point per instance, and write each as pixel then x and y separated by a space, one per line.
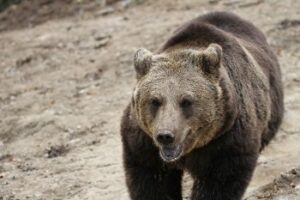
pixel 225 178
pixel 146 183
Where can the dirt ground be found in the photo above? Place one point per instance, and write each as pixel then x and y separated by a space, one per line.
pixel 64 82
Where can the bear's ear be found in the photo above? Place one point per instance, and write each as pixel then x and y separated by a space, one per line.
pixel 211 59
pixel 142 62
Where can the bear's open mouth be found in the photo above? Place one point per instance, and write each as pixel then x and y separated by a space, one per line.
pixel 171 153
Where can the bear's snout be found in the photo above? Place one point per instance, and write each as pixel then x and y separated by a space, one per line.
pixel 165 137
pixel 168 148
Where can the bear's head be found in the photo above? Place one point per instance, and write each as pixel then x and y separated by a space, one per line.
pixel 178 100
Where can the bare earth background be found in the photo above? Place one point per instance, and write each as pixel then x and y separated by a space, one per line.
pixel 66 75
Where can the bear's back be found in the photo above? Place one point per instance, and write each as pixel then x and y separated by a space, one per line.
pixel 233 24
pixel 223 28
pixel 237 36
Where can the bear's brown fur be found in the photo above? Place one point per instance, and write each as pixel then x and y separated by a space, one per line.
pixel 207 102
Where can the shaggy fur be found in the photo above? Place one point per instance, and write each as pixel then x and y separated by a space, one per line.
pixel 241 107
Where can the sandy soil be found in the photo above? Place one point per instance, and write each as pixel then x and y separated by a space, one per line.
pixel 65 82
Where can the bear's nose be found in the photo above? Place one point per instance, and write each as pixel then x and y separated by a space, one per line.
pixel 165 137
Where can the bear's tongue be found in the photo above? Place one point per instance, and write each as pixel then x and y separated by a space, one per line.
pixel 170 154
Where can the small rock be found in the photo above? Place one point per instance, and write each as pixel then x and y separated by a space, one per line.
pixel 74 141
pixel 288 23
pixel 126 3
pixel 106 11
pixel 213 1
pixel 6 157
pixel 92 76
pixel 56 151
pixel 38 194
pixel 101 44
pixel 102 37
pixel 23 61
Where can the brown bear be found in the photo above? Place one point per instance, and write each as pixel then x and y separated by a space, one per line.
pixel 207 103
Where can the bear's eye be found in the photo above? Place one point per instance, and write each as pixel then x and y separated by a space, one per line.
pixel 155 102
pixel 185 103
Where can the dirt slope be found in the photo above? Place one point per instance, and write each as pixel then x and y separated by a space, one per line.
pixel 64 84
